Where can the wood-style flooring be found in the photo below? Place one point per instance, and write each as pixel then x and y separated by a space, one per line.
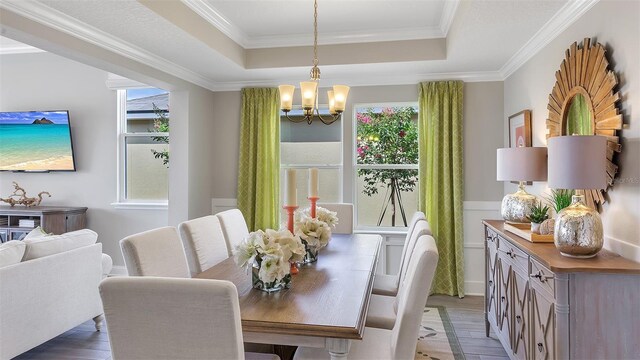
pixel 466 315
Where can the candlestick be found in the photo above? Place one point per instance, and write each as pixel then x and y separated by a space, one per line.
pixel 314 200
pixel 313 182
pixel 290 212
pixel 292 191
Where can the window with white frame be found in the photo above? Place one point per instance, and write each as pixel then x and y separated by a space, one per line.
pixel 385 164
pixel 143 146
pixel 304 146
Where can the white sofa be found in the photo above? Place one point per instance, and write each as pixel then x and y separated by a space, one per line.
pixel 53 289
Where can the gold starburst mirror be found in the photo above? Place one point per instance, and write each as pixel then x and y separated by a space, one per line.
pixel 583 101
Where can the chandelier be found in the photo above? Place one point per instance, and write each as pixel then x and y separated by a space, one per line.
pixel 309 89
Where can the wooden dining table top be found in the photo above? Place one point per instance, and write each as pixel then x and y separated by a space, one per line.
pixel 328 298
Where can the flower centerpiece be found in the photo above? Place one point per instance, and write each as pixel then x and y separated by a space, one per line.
pixel 268 253
pixel 314 233
pixel 325 215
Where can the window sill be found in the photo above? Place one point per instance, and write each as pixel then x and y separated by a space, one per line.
pixel 140 205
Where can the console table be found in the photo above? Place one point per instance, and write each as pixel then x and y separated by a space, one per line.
pixel 543 305
pixel 52 219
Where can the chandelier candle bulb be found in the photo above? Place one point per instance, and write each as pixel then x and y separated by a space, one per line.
pixel 292 191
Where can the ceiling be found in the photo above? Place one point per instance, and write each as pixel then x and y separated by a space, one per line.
pixel 207 42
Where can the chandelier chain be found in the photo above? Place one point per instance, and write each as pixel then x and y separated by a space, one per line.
pixel 315 33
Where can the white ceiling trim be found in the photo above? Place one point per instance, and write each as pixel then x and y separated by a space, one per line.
pixel 19 49
pixel 117 82
pixel 448 13
pixel 559 22
pixel 215 18
pixel 57 20
pixel 480 76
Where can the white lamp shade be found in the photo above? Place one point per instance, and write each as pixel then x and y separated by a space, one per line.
pixel 286 96
pixel 522 164
pixel 577 162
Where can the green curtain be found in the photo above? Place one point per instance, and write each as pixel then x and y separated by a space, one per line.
pixel 441 178
pixel 259 165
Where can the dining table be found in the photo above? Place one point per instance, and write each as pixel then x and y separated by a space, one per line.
pixel 326 305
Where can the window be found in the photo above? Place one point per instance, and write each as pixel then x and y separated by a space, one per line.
pixel 143 146
pixel 303 146
pixel 385 164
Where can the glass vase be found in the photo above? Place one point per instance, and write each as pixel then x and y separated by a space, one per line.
pixel 311 253
pixel 269 287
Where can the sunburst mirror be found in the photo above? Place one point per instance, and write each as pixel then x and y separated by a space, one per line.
pixel 583 101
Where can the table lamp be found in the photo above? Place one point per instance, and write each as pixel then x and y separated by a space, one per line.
pixel 578 162
pixel 520 164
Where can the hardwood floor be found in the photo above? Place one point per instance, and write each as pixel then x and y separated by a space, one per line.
pixel 466 315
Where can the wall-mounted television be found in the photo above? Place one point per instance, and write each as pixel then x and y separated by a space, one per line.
pixel 37 141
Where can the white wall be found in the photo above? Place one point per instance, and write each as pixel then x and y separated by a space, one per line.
pixel 615 24
pixel 483 112
pixel 44 81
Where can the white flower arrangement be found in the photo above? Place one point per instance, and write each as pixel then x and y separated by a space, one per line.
pixel 313 232
pixel 270 251
pixel 325 215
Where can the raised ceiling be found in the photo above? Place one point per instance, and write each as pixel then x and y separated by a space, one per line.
pixel 226 44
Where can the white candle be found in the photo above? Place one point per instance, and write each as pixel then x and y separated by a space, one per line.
pixel 292 191
pixel 313 182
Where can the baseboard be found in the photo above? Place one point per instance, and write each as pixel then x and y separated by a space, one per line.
pixel 118 270
pixel 623 248
pixel 475 288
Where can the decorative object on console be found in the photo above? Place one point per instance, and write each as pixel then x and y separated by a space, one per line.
pixel 268 254
pixel 546 228
pixel 578 162
pixel 583 101
pixel 520 164
pixel 520 129
pixel 309 89
pixel 560 198
pixel 539 213
pixel 22 199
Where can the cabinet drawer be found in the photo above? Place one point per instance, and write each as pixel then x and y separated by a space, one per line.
pixel 542 278
pixel 517 257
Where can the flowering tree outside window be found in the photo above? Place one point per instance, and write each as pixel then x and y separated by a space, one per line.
pixel 387 155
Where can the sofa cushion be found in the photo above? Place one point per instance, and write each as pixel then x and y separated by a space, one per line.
pixel 49 245
pixel 11 252
pixel 36 233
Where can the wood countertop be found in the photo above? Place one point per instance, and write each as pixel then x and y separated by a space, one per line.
pixel 547 254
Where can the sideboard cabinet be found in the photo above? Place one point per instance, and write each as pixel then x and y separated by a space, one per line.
pixel 542 305
pixel 16 222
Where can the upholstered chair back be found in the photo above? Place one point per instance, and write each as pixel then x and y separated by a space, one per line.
pixel 204 243
pixel 412 297
pixel 234 228
pixel 171 318
pixel 421 227
pixel 155 252
pixel 345 216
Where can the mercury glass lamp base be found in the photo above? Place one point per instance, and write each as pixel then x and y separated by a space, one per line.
pixel 516 207
pixel 578 230
pixel 578 256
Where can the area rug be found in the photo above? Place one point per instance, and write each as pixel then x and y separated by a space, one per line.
pixel 437 340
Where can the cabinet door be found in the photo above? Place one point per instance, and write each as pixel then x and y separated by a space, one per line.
pixel 504 304
pixel 521 318
pixel 543 326
pixel 492 279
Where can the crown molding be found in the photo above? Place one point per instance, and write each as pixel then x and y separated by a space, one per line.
pixel 558 23
pixel 59 21
pixel 117 82
pixel 19 49
pixel 382 80
pixel 215 18
pixel 448 13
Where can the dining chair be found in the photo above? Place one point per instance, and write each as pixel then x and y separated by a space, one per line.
pixel 383 309
pixel 203 242
pixel 171 318
pixel 156 252
pixel 388 284
pixel 399 342
pixel 234 228
pixel 345 216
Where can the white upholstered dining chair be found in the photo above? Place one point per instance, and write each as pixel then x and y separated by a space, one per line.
pixel 400 342
pixel 345 216
pixel 170 318
pixel 234 227
pixel 388 284
pixel 155 252
pixel 204 243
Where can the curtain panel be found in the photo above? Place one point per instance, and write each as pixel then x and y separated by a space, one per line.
pixel 259 164
pixel 441 178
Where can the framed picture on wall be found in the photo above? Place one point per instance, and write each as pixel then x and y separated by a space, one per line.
pixel 520 129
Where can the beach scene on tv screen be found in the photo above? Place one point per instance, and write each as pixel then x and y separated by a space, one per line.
pixel 35 141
